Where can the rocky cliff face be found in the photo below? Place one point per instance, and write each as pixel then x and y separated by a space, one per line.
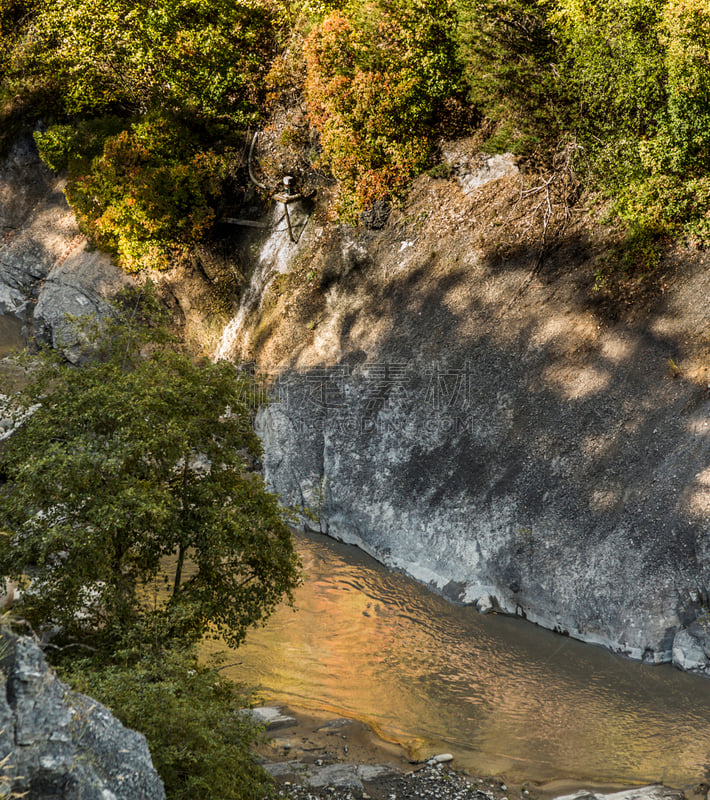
pixel 462 412
pixel 57 744
pixel 47 272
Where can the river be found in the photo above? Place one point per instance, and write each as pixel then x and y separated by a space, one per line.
pixel 505 697
pixel 10 334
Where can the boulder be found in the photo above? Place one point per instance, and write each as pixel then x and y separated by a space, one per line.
pixel 77 289
pixel 272 717
pixel 691 647
pixel 48 274
pixel 56 744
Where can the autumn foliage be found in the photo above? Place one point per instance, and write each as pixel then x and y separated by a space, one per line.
pixel 377 78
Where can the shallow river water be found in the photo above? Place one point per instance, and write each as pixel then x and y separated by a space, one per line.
pixel 502 695
pixel 10 334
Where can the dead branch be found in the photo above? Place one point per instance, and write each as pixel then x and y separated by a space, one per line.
pixel 557 191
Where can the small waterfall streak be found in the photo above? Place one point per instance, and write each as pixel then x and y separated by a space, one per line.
pixel 274 258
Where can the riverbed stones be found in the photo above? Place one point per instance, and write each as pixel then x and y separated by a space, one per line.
pixel 654 792
pixel 432 782
pixel 427 783
pixel 341 775
pixel 444 758
pixel 272 718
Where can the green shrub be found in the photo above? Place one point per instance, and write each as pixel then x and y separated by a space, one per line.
pixel 206 57
pixel 190 714
pixel 378 74
pixel 638 74
pixel 683 143
pixel 612 62
pixel 667 205
pixel 146 193
pixel 71 148
pixel 147 98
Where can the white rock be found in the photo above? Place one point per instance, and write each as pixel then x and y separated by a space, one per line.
pixel 272 717
pixel 442 758
pixel 654 792
pixel 485 604
pixel 688 652
pixel 492 169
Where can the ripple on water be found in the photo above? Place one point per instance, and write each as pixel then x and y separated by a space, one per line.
pixel 502 695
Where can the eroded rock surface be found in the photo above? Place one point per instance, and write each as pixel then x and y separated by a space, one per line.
pixel 47 272
pixel 464 414
pixel 56 744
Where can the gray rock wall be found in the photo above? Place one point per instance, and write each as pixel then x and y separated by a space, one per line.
pixel 46 270
pixel 502 503
pixel 478 426
pixel 56 744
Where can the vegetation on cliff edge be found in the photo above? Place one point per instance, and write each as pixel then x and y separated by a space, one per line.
pixel 147 106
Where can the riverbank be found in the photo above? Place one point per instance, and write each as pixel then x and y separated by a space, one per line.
pixel 317 756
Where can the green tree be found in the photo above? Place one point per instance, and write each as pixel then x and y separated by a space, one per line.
pixel 378 76
pixel 136 469
pixel 512 71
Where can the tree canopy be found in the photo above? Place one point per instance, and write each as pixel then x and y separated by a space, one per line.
pixel 147 105
pixel 378 75
pixel 130 503
pixel 132 513
pixel 144 105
